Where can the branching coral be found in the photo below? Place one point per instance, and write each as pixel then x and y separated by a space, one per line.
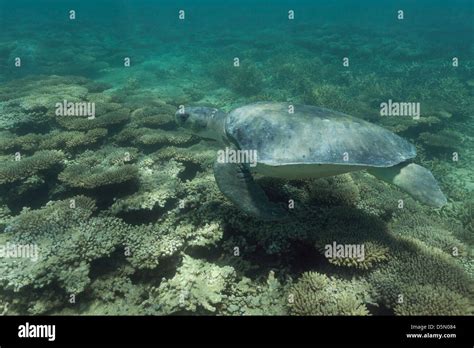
pixel 415 263
pixel 337 190
pixel 252 298
pixel 198 286
pixel 109 119
pixel 158 183
pixel 148 136
pixel 11 171
pixel 48 229
pixel 4 215
pixel 31 101
pixel 73 139
pixel 329 96
pixel 432 300
pixel 147 245
pixel 317 294
pixel 157 137
pixel 206 235
pixel 10 142
pixel 51 141
pixel 105 167
pixel 373 253
pixel 432 230
pixel 117 293
pixel 82 176
pixel 442 139
pixel 154 116
pixel 197 154
pixel 245 79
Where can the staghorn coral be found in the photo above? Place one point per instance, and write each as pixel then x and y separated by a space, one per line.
pixel 198 286
pixel 380 199
pixel 105 167
pixel 73 139
pixel 317 294
pixel 246 79
pixel 445 138
pixel 151 137
pixel 154 116
pixel 70 240
pixel 10 142
pixel 337 190
pixel 5 215
pixel 252 298
pixel 12 170
pixel 432 300
pixel 158 183
pixel 82 176
pixel 160 137
pixel 206 235
pixel 405 124
pixel 115 293
pixel 51 141
pixel 47 228
pixel 197 154
pixel 329 96
pixel 129 135
pixel 4 307
pixel 432 230
pixel 451 91
pixel 413 262
pixel 109 119
pixel 373 253
pixel 147 245
pixel 31 101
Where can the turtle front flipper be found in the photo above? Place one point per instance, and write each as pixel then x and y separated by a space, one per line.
pixel 237 184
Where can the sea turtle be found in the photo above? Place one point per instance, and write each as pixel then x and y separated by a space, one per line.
pixel 301 141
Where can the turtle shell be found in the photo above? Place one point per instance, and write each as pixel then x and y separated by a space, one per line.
pixel 313 135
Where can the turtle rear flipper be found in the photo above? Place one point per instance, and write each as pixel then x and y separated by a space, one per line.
pixel 236 182
pixel 415 180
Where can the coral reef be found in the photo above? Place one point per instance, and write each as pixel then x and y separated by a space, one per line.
pixel 54 140
pixel 154 116
pixel 317 294
pixel 444 139
pixel 196 287
pixel 373 254
pixel 413 263
pixel 158 183
pixel 126 213
pixel 205 288
pixel 432 300
pixel 14 170
pixel 112 118
pixel 105 167
pixel 245 79
pixel 50 229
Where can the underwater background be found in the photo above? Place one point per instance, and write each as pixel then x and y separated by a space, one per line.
pixel 124 208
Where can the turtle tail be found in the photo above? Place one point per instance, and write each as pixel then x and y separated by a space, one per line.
pixel 415 180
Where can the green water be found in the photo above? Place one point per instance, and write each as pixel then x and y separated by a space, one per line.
pixel 122 209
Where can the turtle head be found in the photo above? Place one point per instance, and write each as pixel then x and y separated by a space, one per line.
pixel 202 121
